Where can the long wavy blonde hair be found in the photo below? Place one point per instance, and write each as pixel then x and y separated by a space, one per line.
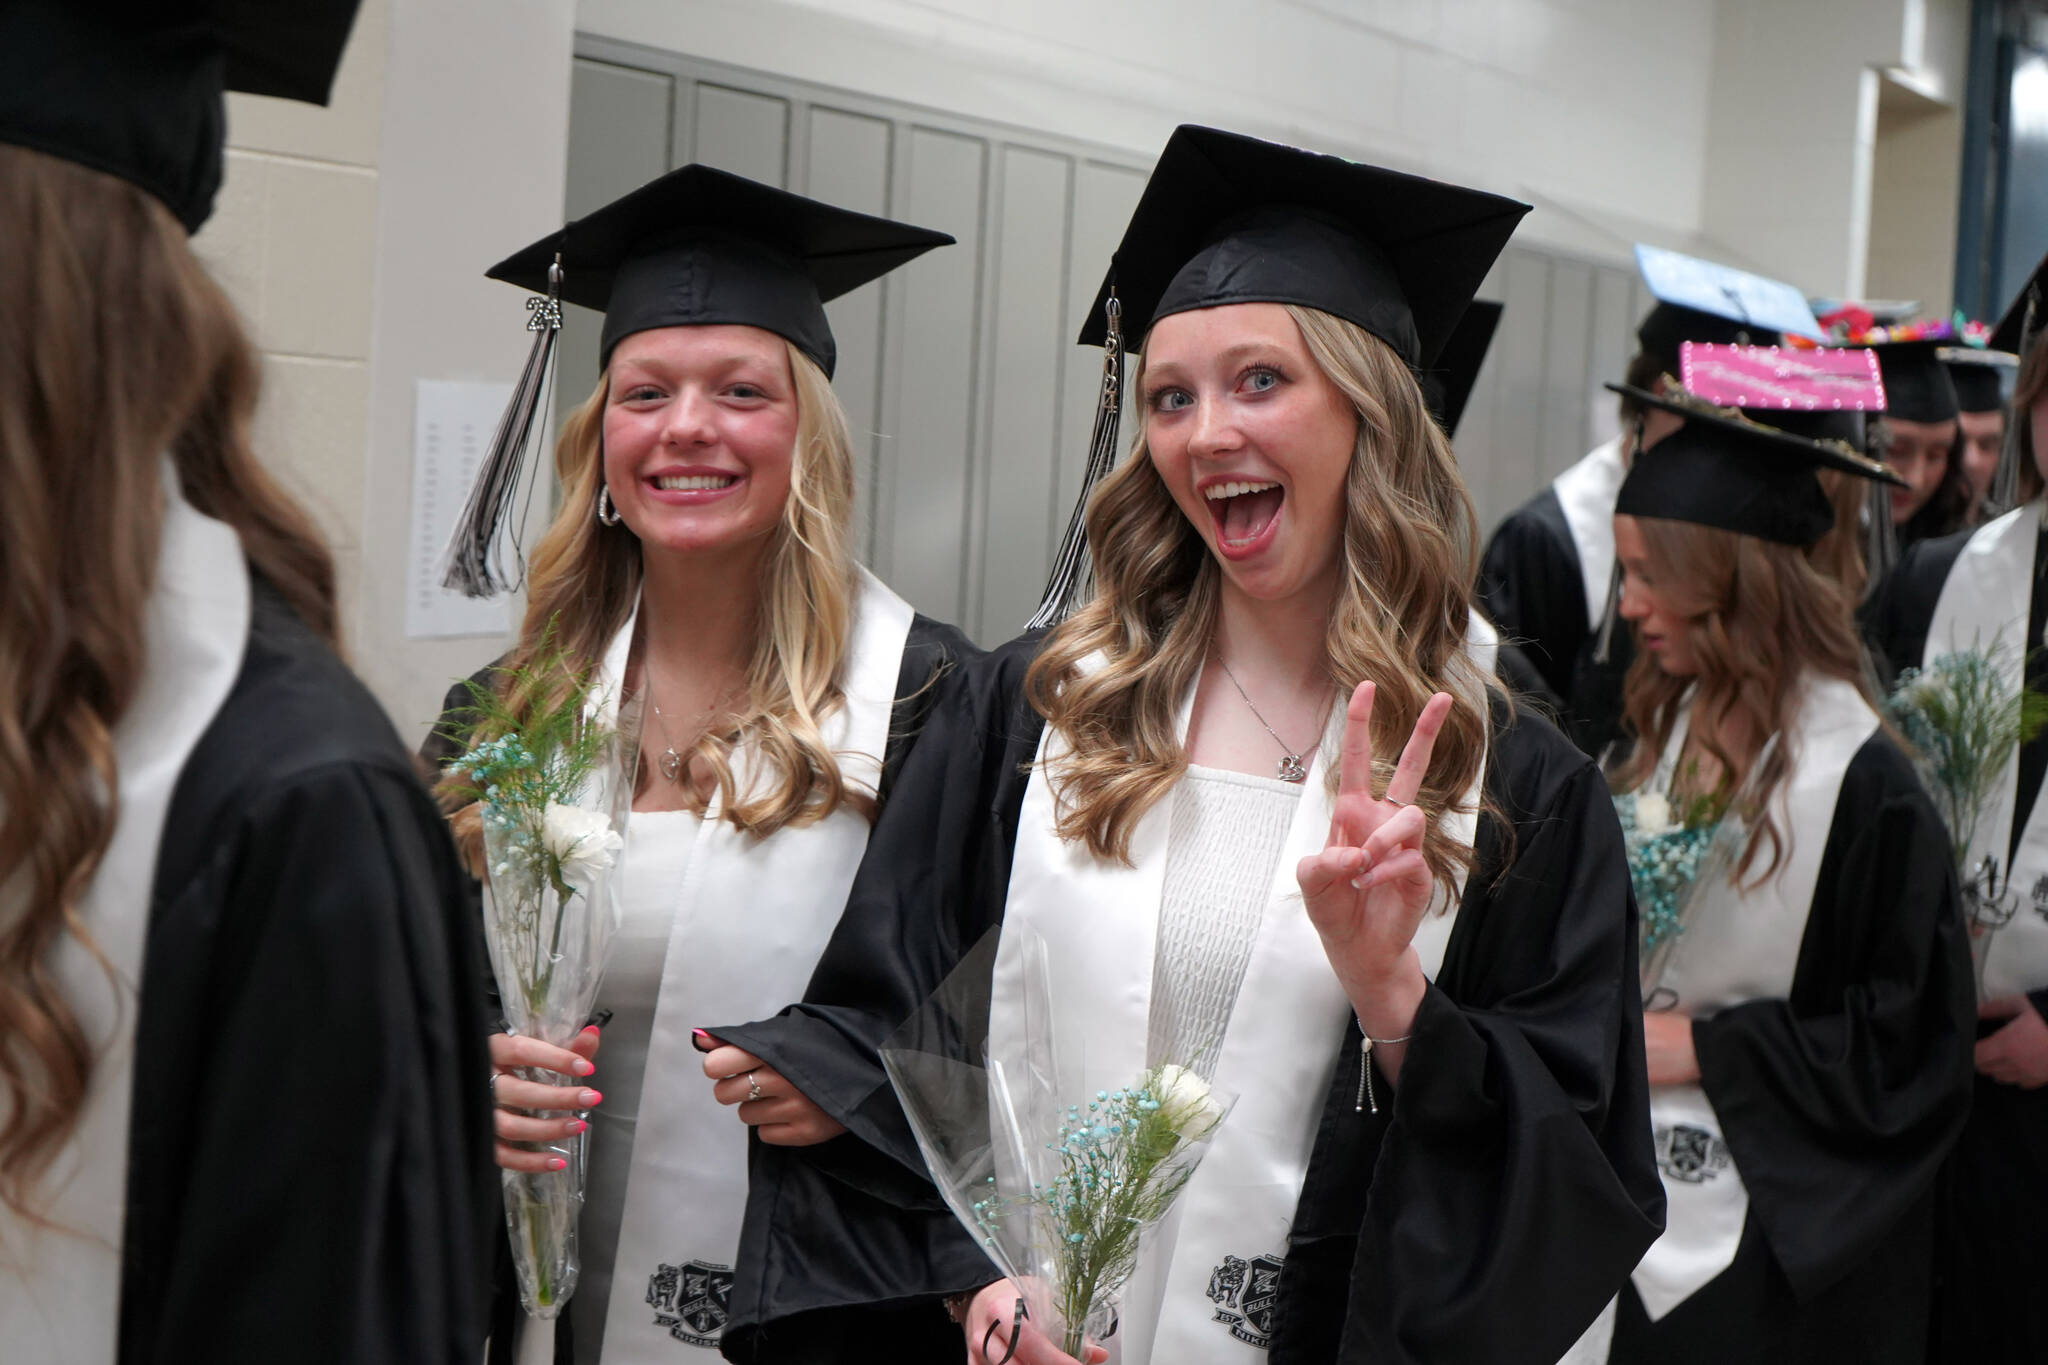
pixel 1410 554
pixel 115 348
pixel 1764 617
pixel 584 580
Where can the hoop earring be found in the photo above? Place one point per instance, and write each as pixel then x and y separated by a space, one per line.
pixel 604 505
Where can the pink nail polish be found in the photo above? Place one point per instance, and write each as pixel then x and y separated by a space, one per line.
pixel 577 1126
pixel 557 1164
pixel 585 1069
pixel 587 1098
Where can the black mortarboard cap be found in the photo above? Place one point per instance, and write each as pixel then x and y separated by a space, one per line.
pixel 135 90
pixel 1917 387
pixel 1727 469
pixel 2025 315
pixel 1449 384
pixel 1978 376
pixel 1667 326
pixel 700 246
pixel 1232 219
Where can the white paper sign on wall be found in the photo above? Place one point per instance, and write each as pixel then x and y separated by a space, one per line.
pixel 453 421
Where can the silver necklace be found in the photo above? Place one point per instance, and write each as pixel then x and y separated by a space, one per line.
pixel 670 762
pixel 1292 769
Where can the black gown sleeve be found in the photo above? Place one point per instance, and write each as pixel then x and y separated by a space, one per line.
pixel 1531 587
pixel 1840 1103
pixel 1495 1207
pixel 1898 613
pixel 837 1232
pixel 310 1175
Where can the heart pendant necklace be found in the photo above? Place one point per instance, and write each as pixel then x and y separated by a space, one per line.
pixel 1291 767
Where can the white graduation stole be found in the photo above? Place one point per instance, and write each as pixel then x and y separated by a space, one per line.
pixel 752 917
pixel 1203 1290
pixel 60 1292
pixel 1587 492
pixel 1737 946
pixel 1986 598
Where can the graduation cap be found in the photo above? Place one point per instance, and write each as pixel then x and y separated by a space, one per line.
pixel 2025 315
pixel 1449 385
pixel 1229 219
pixel 1704 302
pixel 1748 471
pixel 1917 387
pixel 1978 375
pixel 135 90
pixel 696 247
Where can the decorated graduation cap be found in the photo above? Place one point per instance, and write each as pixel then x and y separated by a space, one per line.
pixel 1228 219
pixel 1701 301
pixel 696 247
pixel 1735 464
pixel 1978 375
pixel 1449 385
pixel 136 90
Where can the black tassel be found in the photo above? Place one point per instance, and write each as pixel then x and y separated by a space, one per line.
pixel 1880 537
pixel 1071 572
pixel 476 566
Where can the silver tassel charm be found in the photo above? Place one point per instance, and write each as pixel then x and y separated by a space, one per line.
pixel 476 567
pixel 1068 583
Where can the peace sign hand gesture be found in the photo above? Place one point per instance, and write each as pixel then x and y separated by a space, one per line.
pixel 1369 888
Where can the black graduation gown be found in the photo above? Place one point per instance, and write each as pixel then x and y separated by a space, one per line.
pixel 931 650
pixel 1487 1214
pixel 309 1171
pixel 1531 586
pixel 1990 1260
pixel 1839 1103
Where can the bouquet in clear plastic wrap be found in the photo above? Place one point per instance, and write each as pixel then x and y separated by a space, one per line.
pixel 1964 716
pixel 1058 1185
pixel 553 792
pixel 1677 847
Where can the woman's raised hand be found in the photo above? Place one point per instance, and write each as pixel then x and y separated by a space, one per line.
pixel 765 1100
pixel 1369 888
pixel 558 1106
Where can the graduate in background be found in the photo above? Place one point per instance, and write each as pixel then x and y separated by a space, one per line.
pixel 703 560
pixel 1960 592
pixel 1809 1036
pixel 1920 441
pixel 241 1041
pixel 1422 975
pixel 1547 578
pixel 1979 377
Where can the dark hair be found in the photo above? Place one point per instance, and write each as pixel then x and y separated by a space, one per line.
pixel 2028 389
pixel 1644 370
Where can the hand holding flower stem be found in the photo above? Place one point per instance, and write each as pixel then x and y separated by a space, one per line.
pixel 1369 888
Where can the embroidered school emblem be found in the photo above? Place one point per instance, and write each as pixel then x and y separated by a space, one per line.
pixel 1688 1154
pixel 1246 1293
pixel 691 1301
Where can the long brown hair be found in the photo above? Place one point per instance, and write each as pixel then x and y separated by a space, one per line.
pixel 584 580
pixel 1764 618
pixel 116 348
pixel 1400 619
pixel 2028 388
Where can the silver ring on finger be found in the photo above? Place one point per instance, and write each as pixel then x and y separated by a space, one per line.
pixel 753 1088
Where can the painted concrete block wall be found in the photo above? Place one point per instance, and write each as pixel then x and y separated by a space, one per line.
pixel 292 238
pixel 1596 109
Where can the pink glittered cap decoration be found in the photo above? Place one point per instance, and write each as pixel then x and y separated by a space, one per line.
pixel 1779 378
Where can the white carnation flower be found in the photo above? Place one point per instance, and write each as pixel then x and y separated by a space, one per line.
pixel 1653 813
pixel 582 839
pixel 1185 1101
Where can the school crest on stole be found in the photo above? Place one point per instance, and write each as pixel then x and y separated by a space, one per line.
pixel 691 1300
pixel 1245 1292
pixel 1690 1154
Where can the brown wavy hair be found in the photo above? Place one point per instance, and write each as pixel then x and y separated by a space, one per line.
pixel 1765 618
pixel 116 348
pixel 1410 555
pixel 584 580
